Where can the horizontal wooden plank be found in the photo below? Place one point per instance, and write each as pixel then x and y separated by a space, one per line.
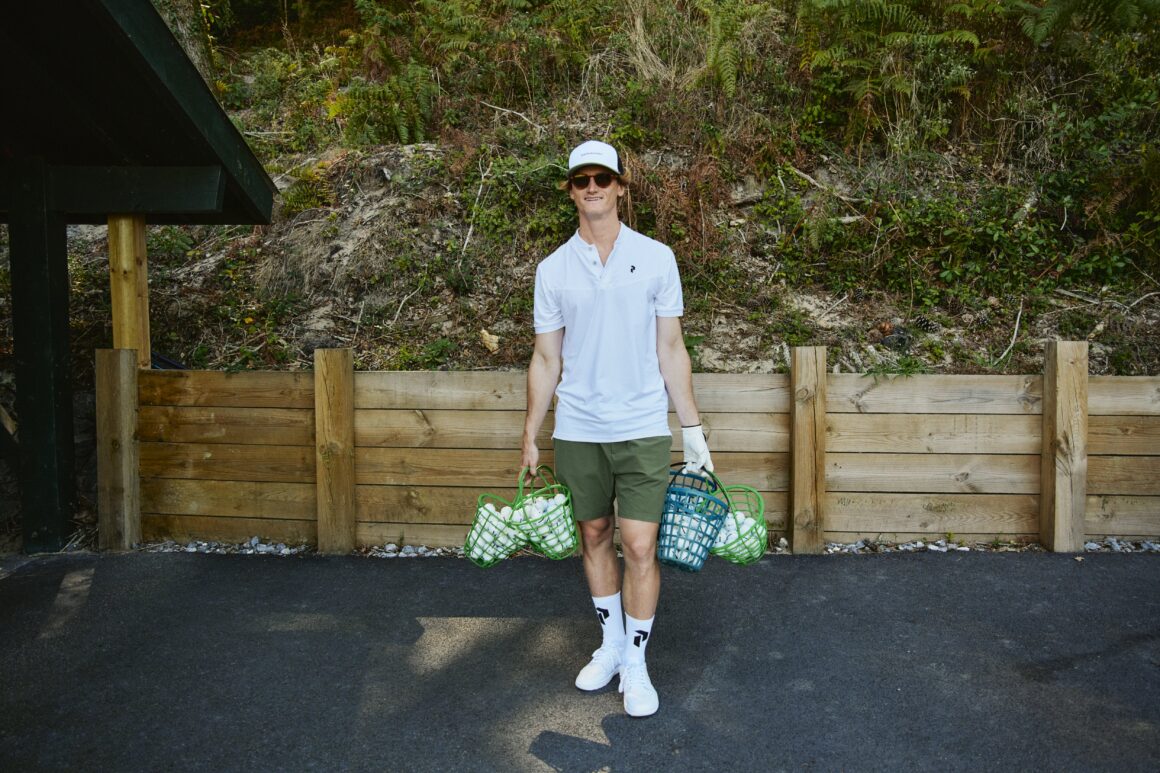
pixel 1118 516
pixel 214 424
pixel 1126 475
pixel 507 391
pixel 742 392
pixel 485 468
pixel 456 505
pixel 462 390
pixel 1124 435
pixel 933 473
pixel 244 499
pixel 853 393
pixel 185 528
pixel 431 535
pixel 933 433
pixel 967 539
pixel 1124 395
pixel 436 428
pixel 213 461
pixel 935 514
pixel 245 389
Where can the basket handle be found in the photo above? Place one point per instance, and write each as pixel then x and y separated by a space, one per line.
pixel 713 479
pixel 543 474
pixel 719 488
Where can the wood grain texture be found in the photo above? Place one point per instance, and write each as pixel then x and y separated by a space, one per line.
pixel 934 473
pixel 1064 460
pixel 129 286
pixel 217 461
pixel 1122 516
pixel 118 458
pixel 334 448
pixel 933 513
pixel 932 433
pixel 212 424
pixel 1124 475
pixel 853 393
pixel 185 528
pixel 1124 435
pixel 806 519
pixel 229 498
pixel 1124 396
pixel 248 389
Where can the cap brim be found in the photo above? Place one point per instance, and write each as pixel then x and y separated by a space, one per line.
pixel 592 163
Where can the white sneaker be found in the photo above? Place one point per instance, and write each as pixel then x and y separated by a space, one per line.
pixel 640 698
pixel 604 665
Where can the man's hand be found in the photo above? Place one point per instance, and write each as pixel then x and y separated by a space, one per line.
pixel 530 456
pixel 696 449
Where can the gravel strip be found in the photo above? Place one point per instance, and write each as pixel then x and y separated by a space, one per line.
pixel 255 546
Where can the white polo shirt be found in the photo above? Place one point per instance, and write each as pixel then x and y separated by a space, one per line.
pixel 611 388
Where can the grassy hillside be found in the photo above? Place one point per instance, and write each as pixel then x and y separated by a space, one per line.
pixel 920 186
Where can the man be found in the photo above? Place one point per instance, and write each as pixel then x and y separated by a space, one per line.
pixel 607 318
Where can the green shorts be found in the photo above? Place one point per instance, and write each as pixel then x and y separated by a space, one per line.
pixel 633 472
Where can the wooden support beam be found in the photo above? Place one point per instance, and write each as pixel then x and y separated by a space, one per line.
pixel 98 190
pixel 334 458
pixel 118 457
pixel 1064 461
pixel 129 286
pixel 805 523
pixel 40 294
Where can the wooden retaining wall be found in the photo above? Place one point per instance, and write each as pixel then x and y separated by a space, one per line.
pixel 341 458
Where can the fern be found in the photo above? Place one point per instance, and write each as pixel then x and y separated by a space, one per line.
pixel 396 110
pixel 879 49
pixel 723 61
pixel 1056 19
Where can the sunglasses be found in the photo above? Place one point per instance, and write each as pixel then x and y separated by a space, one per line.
pixel 603 180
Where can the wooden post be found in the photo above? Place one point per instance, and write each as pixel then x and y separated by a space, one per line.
pixel 38 261
pixel 1063 477
pixel 807 449
pixel 129 286
pixel 334 435
pixel 118 458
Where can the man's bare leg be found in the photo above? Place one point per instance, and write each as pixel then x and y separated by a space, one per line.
pixel 642 573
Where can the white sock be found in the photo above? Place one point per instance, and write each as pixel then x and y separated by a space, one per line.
pixel 637 633
pixel 611 616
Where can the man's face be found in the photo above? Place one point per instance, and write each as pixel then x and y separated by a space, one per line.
pixel 593 200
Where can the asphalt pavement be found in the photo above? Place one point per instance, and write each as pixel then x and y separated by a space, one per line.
pixel 962 661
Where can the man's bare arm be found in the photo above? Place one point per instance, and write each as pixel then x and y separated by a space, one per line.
pixel 543 375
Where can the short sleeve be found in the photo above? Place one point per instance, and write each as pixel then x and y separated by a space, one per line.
pixel 670 300
pixel 546 312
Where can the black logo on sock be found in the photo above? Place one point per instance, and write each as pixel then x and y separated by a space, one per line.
pixel 640 638
pixel 601 614
pixel 631 269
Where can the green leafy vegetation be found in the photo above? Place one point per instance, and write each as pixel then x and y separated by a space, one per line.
pixel 968 160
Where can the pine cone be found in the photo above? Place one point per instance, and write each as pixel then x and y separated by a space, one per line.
pixel 925 324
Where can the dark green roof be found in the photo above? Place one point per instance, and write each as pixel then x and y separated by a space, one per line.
pixel 101 91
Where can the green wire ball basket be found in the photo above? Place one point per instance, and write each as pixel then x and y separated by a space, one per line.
pixel 742 540
pixel 492 537
pixel 544 514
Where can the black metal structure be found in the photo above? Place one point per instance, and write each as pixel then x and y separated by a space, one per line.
pixel 103 114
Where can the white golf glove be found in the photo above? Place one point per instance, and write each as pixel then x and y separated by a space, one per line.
pixel 696 449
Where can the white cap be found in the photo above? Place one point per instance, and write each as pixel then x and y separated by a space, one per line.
pixel 594 153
